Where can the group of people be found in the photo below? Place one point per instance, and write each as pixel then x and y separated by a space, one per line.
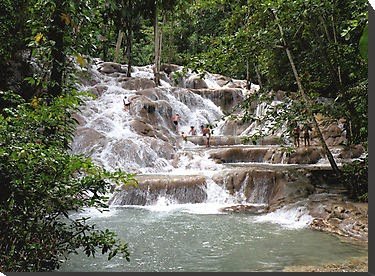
pixel 205 130
pixel 297 135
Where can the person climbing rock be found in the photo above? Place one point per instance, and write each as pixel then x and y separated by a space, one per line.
pixel 184 136
pixel 175 120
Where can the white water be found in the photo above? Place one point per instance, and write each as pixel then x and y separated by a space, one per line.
pixel 121 147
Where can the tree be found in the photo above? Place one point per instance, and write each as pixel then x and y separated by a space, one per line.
pixel 165 6
pixel 305 99
pixel 42 184
pixel 127 17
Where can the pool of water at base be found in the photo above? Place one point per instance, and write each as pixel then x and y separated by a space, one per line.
pixel 182 240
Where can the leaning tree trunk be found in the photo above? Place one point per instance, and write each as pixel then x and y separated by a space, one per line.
pixel 328 153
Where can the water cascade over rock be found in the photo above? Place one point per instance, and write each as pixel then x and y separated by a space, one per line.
pixel 257 175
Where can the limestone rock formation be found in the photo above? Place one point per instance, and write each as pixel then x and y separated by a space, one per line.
pixel 180 189
pixel 111 67
pixel 130 83
pixel 226 98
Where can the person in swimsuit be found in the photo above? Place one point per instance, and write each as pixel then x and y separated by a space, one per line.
pixel 206 131
pixel 296 134
pixel 126 103
pixel 192 131
pixel 175 120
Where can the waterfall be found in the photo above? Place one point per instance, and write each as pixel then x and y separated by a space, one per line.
pixel 262 184
pixel 262 125
pixel 292 217
pixel 144 141
pixel 124 147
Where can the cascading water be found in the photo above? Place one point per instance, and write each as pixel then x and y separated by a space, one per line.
pixel 124 148
pixel 164 229
pixel 144 141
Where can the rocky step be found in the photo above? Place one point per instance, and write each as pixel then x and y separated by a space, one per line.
pixel 248 184
pixel 278 155
pixel 179 188
pixel 229 140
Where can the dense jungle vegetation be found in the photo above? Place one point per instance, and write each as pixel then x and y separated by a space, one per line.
pixel 43 40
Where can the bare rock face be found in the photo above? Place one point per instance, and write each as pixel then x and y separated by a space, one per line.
pixel 306 155
pixel 263 186
pixel 333 134
pixel 79 118
pixel 221 80
pixel 153 94
pixel 155 113
pixel 348 220
pixel 231 155
pixel 226 98
pixel 354 151
pixel 142 128
pixel 98 90
pixel 130 83
pixel 145 129
pixel 332 130
pixel 302 155
pixel 290 187
pixel 195 82
pixel 111 67
pixel 232 180
pixel 169 68
pixel 247 209
pixel 234 126
pixel 88 141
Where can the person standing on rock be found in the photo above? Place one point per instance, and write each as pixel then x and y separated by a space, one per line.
pixel 126 104
pixel 296 135
pixel 175 120
pixel 206 131
pixel 306 134
pixel 192 131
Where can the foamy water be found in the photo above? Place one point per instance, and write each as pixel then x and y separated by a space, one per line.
pixel 288 217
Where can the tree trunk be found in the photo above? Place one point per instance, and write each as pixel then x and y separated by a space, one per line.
pixel 157 48
pixel 56 34
pixel 118 45
pixel 335 37
pixel 328 153
pixel 258 76
pixel 129 52
pixel 248 80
